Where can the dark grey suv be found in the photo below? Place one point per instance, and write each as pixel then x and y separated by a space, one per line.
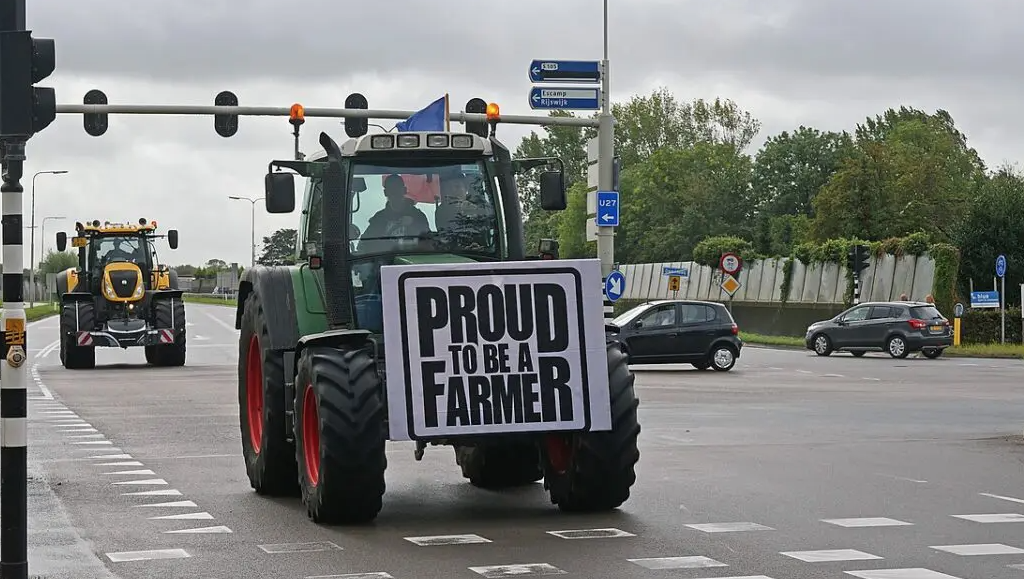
pixel 700 333
pixel 898 328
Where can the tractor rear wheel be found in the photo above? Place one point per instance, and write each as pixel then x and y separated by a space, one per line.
pixel 340 434
pixel 496 466
pixel 594 471
pixel 168 314
pixel 269 456
pixel 76 316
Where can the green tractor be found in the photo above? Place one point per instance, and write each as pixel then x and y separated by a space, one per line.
pixel 414 312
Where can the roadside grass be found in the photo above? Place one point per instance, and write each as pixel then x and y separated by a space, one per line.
pixel 210 300
pixel 995 350
pixel 39 311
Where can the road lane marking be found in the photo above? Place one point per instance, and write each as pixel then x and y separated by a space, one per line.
pixel 125 556
pixel 913 480
pixel 980 549
pixel 662 563
pixel 148 481
pixel 223 324
pixel 179 504
pixel 591 533
pixel 314 547
pixel 1002 498
pixel 830 555
pixel 993 518
pixel 121 463
pixel 201 531
pixel 867 522
pixel 132 472
pixel 159 493
pixel 203 516
pixel 729 527
pixel 517 570
pixel 447 540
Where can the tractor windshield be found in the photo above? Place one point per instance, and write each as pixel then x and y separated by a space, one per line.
pixel 397 207
pixel 105 249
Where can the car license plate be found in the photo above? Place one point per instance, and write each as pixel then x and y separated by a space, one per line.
pixel 936 328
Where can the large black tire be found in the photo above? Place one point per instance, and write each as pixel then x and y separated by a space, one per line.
pixel 76 316
pixel 496 466
pixel 168 313
pixel 340 434
pixel 598 468
pixel 270 462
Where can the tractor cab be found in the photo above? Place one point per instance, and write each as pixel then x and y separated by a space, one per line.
pixel 405 198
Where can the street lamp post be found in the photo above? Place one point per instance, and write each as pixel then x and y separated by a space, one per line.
pixel 42 234
pixel 253 234
pixel 32 251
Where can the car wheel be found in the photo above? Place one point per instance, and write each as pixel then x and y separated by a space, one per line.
pixel 897 347
pixel 932 352
pixel 822 345
pixel 723 358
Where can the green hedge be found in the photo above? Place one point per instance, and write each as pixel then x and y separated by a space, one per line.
pixel 983 326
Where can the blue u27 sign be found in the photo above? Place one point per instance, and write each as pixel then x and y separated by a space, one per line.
pixel 984 299
pixel 607 208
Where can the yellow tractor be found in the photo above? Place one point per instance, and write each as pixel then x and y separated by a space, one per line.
pixel 120 295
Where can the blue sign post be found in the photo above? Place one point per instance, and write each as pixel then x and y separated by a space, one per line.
pixel 607 208
pixel 614 286
pixel 1001 266
pixel 578 98
pixel 581 71
pixel 984 299
pixel 1001 272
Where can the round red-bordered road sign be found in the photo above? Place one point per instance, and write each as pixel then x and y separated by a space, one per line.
pixel 730 263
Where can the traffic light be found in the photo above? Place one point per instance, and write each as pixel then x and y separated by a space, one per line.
pixel 477 106
pixel 355 128
pixel 225 125
pixel 857 258
pixel 25 109
pixel 95 123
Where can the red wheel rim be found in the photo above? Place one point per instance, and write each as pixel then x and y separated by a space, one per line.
pixel 311 436
pixel 254 393
pixel 559 452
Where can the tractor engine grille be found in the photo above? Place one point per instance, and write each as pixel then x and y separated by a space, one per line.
pixel 124 282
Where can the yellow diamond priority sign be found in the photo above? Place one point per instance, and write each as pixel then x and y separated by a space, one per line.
pixel 729 284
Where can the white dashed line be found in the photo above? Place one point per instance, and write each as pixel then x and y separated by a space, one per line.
pixel 159 493
pixel 517 570
pixel 315 547
pixel 692 562
pixel 204 516
pixel 867 522
pixel 145 471
pixel 993 518
pixel 983 549
pixel 201 531
pixel 178 504
pixel 148 481
pixel 729 527
pixel 830 555
pixel 1002 498
pixel 590 534
pixel 125 556
pixel 447 540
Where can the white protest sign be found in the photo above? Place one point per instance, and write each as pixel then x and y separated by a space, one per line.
pixel 499 347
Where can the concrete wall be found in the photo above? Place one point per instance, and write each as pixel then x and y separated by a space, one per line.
pixel 816 291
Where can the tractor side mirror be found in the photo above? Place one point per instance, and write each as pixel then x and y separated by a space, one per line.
pixel 62 241
pixel 172 238
pixel 280 192
pixel 552 191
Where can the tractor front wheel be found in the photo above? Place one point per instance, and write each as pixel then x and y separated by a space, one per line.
pixel 269 456
pixel 594 471
pixel 168 314
pixel 76 316
pixel 339 435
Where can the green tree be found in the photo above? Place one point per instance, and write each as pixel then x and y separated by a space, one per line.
pixel 278 248
pixel 56 261
pixel 993 225
pixel 185 270
pixel 680 196
pixel 572 225
pixel 791 168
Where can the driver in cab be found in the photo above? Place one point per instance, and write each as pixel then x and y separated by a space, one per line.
pixel 398 223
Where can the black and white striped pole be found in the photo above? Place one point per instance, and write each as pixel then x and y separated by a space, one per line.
pixel 24 111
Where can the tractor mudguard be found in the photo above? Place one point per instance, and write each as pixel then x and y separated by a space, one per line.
pixel 167 293
pixel 274 286
pixel 333 339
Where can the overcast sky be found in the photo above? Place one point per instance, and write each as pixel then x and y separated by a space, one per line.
pixel 823 63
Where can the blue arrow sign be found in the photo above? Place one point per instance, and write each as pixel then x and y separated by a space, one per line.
pixel 578 98
pixel 581 71
pixel 1001 265
pixel 607 208
pixel 614 286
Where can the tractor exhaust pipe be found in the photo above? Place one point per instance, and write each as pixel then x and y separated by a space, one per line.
pixel 337 270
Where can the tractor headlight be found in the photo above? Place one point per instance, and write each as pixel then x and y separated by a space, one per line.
pixel 139 290
pixel 108 290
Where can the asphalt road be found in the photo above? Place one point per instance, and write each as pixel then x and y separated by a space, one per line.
pixel 789 467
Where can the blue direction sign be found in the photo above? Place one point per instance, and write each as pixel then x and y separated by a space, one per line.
pixel 680 271
pixel 984 299
pixel 582 71
pixel 1001 266
pixel 608 208
pixel 578 98
pixel 614 286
